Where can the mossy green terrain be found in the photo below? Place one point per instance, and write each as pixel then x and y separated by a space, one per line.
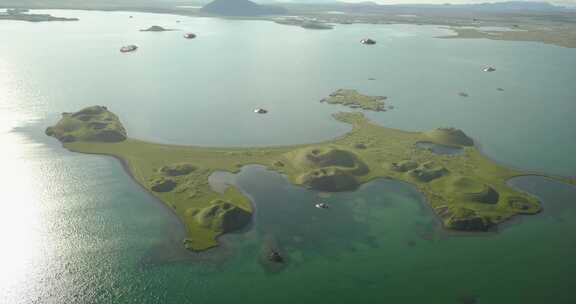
pixel 90 124
pixel 467 191
pixel 354 99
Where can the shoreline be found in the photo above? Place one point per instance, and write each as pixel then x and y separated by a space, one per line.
pixel 424 202
pixel 529 29
pixel 191 255
pixel 452 207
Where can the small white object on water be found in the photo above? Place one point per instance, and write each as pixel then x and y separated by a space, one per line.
pixel 189 35
pixel 368 41
pixel 128 48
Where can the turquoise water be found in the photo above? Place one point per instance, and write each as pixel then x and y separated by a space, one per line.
pixel 76 229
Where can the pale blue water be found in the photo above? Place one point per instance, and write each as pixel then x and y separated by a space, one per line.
pixel 76 229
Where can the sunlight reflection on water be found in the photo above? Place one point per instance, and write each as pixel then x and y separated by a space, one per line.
pixel 21 223
pixel 20 220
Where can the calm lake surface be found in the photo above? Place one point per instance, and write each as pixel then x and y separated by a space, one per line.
pixel 76 229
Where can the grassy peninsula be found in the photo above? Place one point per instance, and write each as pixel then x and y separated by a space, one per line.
pixel 21 15
pixel 354 100
pixel 467 190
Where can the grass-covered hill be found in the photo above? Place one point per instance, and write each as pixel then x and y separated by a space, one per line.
pixel 467 191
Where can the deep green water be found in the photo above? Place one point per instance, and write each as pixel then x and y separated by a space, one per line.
pixel 76 229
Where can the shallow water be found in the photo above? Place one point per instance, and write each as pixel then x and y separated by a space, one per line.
pixel 76 229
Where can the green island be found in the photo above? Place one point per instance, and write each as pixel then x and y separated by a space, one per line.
pixel 555 35
pixel 467 191
pixel 355 100
pixel 23 15
pixel 305 23
pixel 156 28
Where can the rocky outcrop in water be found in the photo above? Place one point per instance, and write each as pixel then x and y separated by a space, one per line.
pixel 95 124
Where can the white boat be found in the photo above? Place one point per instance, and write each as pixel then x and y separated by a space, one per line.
pixel 322 206
pixel 489 69
pixel 260 111
pixel 189 35
pixel 367 41
pixel 128 48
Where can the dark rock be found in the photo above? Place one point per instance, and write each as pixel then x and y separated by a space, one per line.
pixel 468 299
pixel 275 257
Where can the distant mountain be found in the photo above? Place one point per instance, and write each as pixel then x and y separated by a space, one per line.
pixel 511 6
pixel 367 7
pixel 241 8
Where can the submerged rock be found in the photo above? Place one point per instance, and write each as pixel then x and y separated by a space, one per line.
pixel 271 256
pixel 275 257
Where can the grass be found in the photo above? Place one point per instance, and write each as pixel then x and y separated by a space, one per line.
pixel 554 34
pixel 461 188
pixel 353 99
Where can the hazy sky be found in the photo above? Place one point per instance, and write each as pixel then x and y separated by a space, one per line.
pixel 558 2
